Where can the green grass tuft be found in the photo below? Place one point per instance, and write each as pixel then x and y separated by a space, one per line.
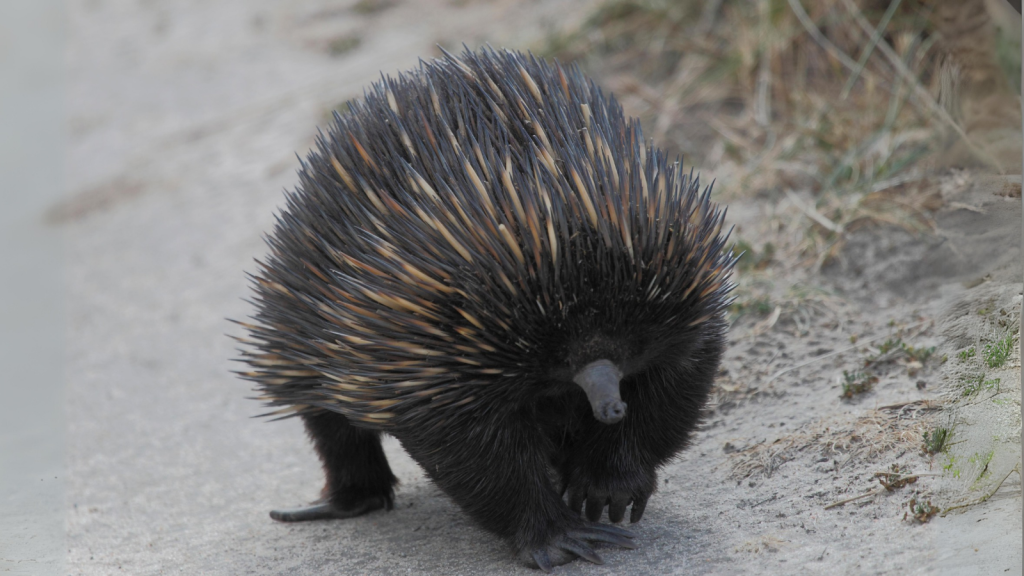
pixel 343 44
pixel 935 441
pixel 920 354
pixel 997 353
pixel 760 305
pixel 856 383
pixel 751 259
pixel 975 384
pixel 965 355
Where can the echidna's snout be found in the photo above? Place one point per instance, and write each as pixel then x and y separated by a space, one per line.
pixel 600 381
pixel 611 411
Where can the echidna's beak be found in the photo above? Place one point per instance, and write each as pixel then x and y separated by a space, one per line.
pixel 600 380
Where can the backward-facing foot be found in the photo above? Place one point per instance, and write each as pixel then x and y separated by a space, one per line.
pixel 323 509
pixel 347 502
pixel 359 479
pixel 564 546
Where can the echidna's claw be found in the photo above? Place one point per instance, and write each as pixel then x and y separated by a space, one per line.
pixel 637 511
pixel 617 507
pixel 321 510
pixel 607 534
pixel 578 543
pixel 633 489
pixel 540 556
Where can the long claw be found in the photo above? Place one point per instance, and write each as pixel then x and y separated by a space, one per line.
pixel 638 510
pixel 314 512
pixel 540 556
pixel 563 547
pixel 325 511
pixel 614 530
pixel 604 536
pixel 582 550
pixel 617 509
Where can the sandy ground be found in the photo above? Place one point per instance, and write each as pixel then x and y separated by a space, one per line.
pixel 184 122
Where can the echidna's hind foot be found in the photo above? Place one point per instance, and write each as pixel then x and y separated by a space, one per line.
pixel 562 548
pixel 359 479
pixel 324 510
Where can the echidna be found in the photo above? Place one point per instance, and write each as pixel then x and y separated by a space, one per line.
pixel 485 260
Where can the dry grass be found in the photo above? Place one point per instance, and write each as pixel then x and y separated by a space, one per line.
pixel 796 309
pixel 827 108
pixel 864 438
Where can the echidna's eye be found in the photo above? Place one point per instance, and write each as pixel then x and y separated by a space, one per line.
pixel 600 381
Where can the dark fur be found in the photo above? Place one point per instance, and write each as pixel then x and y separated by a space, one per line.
pixel 472 369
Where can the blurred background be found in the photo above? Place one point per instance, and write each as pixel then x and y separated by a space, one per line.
pixel 870 155
pixel 32 289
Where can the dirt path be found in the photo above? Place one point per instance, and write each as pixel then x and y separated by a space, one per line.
pixel 184 122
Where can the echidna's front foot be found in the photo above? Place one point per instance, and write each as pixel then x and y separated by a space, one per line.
pixel 617 491
pixel 323 510
pixel 564 547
